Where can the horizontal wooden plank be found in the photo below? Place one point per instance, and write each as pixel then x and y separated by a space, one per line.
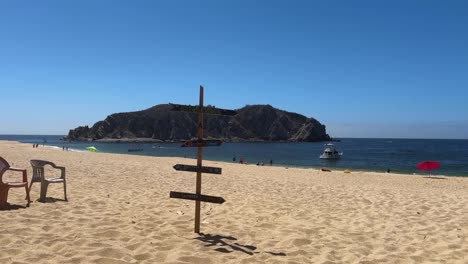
pixel 197 197
pixel 204 169
pixel 207 110
pixel 202 143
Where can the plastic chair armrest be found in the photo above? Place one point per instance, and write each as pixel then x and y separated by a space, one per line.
pixel 62 169
pixel 25 173
pixel 16 169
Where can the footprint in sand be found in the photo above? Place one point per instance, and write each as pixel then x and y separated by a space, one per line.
pixel 141 257
pixel 191 259
pixel 301 242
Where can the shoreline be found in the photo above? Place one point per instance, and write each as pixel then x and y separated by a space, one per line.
pixel 336 169
pixel 279 165
pixel 357 161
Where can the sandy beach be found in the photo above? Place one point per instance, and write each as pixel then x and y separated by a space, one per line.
pixel 119 211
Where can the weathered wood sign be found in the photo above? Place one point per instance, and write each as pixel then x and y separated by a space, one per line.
pixel 207 110
pixel 197 197
pixel 203 143
pixel 212 170
pixel 199 143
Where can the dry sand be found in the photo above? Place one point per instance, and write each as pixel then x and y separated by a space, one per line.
pixel 119 211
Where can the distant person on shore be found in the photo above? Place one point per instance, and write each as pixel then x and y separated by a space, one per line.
pixel 388 170
pixel 63 148
pixel 271 162
pixel 234 159
pixel 241 160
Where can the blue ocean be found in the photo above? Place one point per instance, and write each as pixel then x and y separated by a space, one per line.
pixel 396 155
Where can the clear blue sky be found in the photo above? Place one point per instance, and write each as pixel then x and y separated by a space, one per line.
pixel 362 68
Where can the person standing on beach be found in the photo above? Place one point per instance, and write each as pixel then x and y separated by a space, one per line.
pixel 271 162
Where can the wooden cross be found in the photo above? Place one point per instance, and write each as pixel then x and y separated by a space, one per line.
pixel 199 143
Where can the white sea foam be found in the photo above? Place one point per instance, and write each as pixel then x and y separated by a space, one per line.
pixel 77 150
pixel 52 147
pixel 60 148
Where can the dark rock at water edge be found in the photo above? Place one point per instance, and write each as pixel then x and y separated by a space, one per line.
pixel 159 123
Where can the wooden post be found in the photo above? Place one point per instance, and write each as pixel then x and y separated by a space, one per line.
pixel 199 143
pixel 199 162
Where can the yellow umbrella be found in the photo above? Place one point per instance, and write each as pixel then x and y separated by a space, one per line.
pixel 92 149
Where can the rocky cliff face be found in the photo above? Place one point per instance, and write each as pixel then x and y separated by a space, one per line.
pixel 252 123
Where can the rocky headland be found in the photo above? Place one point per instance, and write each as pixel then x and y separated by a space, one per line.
pixel 160 123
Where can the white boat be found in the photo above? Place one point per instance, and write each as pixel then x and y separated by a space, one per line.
pixel 330 152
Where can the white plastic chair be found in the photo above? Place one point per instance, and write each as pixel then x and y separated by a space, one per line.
pixel 38 176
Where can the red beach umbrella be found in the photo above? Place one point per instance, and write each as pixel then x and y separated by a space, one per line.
pixel 428 165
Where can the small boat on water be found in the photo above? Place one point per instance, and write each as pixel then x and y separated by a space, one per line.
pixel 330 152
pixel 134 149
